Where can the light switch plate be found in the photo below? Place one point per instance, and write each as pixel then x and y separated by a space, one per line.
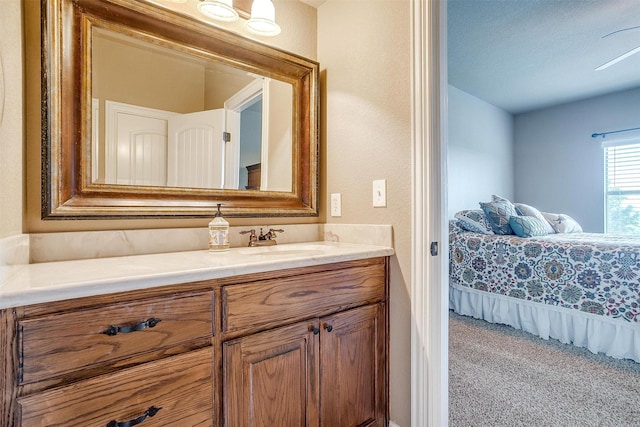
pixel 380 193
pixel 336 204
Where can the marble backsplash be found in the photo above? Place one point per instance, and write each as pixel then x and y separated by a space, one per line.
pixel 14 250
pixel 48 247
pixel 364 234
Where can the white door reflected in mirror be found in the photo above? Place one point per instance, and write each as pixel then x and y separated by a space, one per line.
pixel 196 150
pixel 161 148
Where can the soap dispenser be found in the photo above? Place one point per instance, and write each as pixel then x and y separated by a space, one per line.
pixel 218 232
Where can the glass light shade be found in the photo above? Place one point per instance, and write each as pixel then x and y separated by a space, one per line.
pixel 263 19
pixel 222 10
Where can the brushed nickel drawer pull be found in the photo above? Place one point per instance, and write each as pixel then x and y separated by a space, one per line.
pixel 115 330
pixel 149 413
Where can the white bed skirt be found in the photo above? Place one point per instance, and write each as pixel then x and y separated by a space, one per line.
pixel 599 334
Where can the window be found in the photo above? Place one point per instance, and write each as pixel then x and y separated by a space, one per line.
pixel 622 186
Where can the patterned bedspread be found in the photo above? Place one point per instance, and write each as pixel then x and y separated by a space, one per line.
pixel 594 273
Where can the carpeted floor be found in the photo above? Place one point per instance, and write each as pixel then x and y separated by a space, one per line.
pixel 500 376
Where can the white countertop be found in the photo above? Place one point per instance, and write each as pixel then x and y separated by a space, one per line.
pixel 55 281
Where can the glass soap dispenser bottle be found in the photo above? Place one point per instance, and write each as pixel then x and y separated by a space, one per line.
pixel 218 233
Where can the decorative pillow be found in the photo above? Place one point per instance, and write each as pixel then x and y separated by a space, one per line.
pixel 496 198
pixel 474 220
pixel 526 210
pixel 527 226
pixel 454 227
pixel 498 213
pixel 562 223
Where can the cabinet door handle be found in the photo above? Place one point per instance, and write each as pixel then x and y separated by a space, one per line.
pixel 329 328
pixel 148 413
pixel 115 330
pixel 314 329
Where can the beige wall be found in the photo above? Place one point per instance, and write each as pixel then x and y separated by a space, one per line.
pixel 220 86
pixel 280 147
pixel 364 58
pixel 139 75
pixel 11 120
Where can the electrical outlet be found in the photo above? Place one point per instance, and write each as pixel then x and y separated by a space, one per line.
pixel 380 193
pixel 336 204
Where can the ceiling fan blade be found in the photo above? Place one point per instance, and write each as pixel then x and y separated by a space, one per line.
pixel 630 29
pixel 618 59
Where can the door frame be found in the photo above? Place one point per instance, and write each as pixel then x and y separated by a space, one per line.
pixel 242 99
pixel 429 274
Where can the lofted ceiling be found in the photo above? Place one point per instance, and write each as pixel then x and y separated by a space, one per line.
pixel 522 55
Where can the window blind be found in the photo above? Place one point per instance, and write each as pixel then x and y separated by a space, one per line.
pixel 622 176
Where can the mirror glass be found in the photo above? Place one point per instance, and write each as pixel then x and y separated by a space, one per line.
pixel 165 118
pixel 150 113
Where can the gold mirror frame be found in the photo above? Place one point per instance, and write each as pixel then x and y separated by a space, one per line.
pixel 68 191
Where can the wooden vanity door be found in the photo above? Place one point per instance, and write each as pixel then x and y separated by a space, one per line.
pixel 352 357
pixel 271 378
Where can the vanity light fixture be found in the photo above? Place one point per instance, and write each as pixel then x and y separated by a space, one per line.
pixel 263 19
pixel 221 10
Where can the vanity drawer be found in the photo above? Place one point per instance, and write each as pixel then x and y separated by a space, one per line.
pixel 277 301
pixel 181 386
pixel 69 341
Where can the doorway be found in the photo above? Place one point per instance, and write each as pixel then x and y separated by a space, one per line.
pixel 429 272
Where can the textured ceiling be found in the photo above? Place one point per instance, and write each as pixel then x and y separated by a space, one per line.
pixel 522 55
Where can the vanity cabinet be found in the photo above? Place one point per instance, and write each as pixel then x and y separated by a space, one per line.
pixel 298 347
pixel 327 372
pixel 271 378
pixel 353 367
pixel 63 342
pixel 326 366
pixel 173 391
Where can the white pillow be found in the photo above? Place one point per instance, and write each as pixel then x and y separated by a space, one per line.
pixel 526 210
pixel 562 223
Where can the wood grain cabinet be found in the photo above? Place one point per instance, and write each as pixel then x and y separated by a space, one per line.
pixel 297 347
pixel 353 369
pixel 329 368
pixel 111 361
pixel 271 378
pixel 174 391
pixel 59 343
pixel 327 372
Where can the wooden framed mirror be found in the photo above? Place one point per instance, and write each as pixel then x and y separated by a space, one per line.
pixel 116 78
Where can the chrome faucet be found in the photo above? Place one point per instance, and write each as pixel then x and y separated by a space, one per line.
pixel 264 239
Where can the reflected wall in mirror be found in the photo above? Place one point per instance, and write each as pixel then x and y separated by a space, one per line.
pixel 157 114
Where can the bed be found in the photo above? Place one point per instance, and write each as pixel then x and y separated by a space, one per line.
pixel 578 288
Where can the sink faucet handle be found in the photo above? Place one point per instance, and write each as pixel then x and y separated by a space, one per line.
pixel 272 232
pixel 252 236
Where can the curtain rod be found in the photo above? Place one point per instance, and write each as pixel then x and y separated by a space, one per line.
pixel 595 135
